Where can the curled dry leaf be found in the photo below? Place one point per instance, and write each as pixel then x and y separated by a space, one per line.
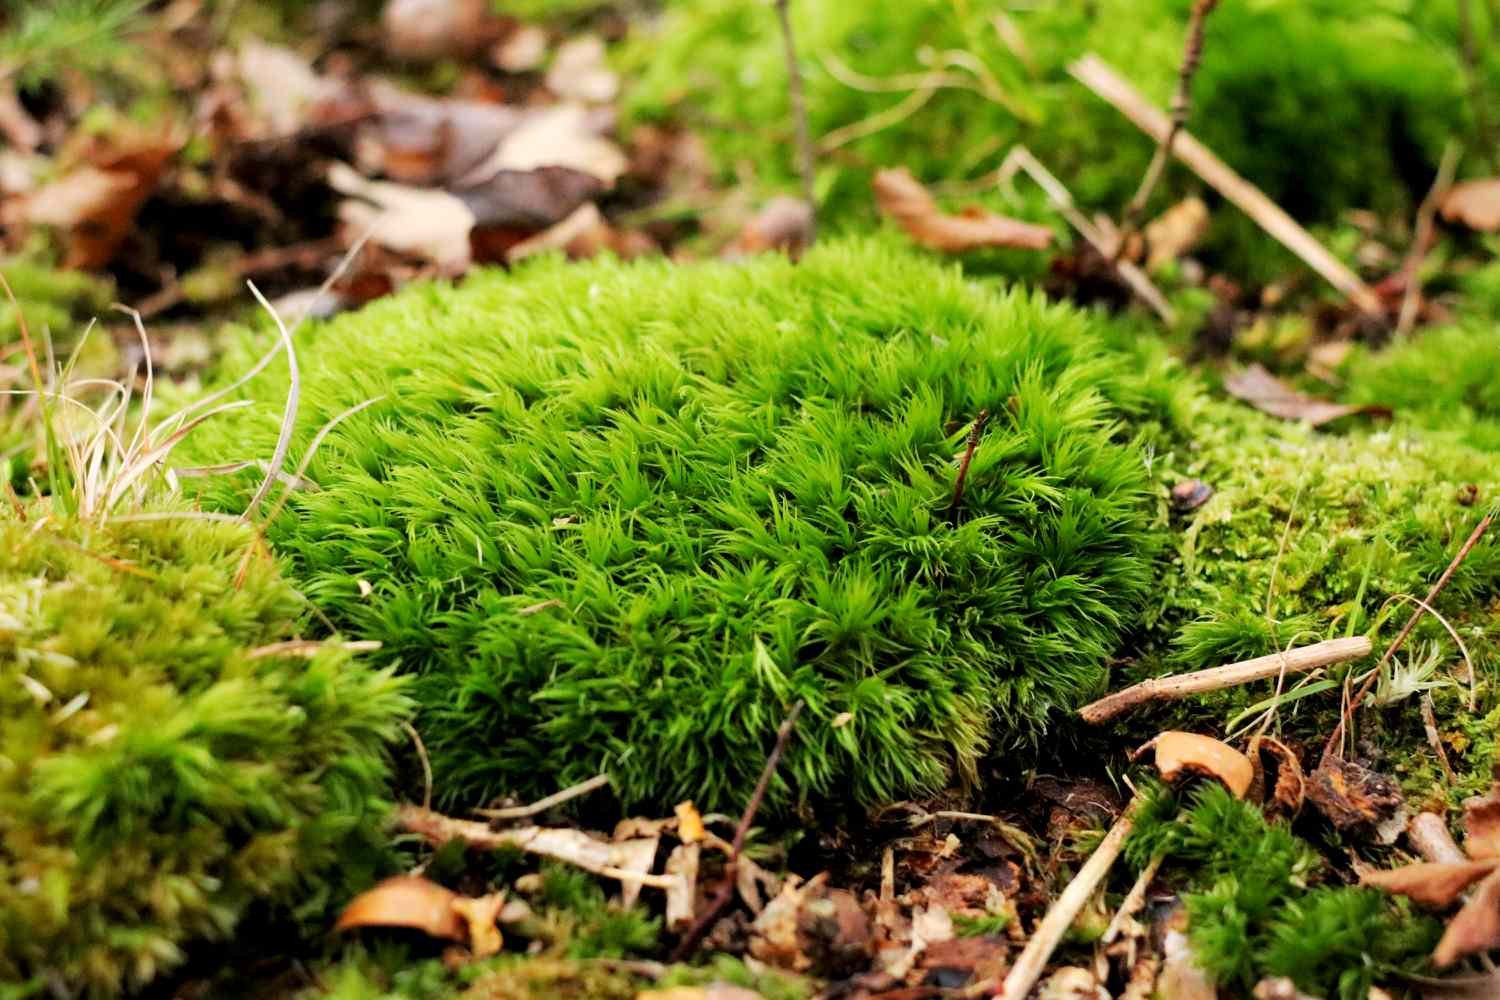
pixel 1269 394
pixel 1475 928
pixel 407 901
pixel 1474 203
pixel 1285 795
pixel 690 828
pixel 565 135
pixel 1181 755
pixel 902 197
pixel 1434 884
pixel 481 915
pixel 1482 825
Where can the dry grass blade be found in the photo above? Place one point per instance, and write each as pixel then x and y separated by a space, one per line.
pixel 289 414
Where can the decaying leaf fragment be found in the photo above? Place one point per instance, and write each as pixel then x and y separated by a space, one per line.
pixel 1475 928
pixel 903 198
pixel 690 828
pixel 1433 884
pixel 1474 203
pixel 1352 795
pixel 407 901
pixel 1285 794
pixel 1482 825
pixel 1269 394
pixel 1180 755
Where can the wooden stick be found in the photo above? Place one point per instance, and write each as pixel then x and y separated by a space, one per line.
pixel 1421 237
pixel 1049 933
pixel 542 805
pixel 1293 661
pixel 1095 74
pixel 1435 739
pixel 1428 833
pixel 1192 55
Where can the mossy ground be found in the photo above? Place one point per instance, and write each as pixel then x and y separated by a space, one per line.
pixel 158 778
pixel 622 517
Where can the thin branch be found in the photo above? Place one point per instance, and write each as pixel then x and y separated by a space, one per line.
pixel 1049 933
pixel 1097 75
pixel 799 112
pixel 1337 737
pixel 1422 239
pixel 721 899
pixel 1182 102
pixel 542 805
pixel 975 432
pixel 1429 835
pixel 1434 740
pixel 1298 660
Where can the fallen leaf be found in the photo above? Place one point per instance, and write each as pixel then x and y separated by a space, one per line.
pixel 480 915
pixel 1289 790
pixel 530 200
pixel 565 135
pixel 682 897
pixel 1175 232
pixel 281 84
pixel 690 828
pixel 1482 825
pixel 785 223
pixel 1072 982
pixel 1474 928
pixel 433 225
pixel 432 29
pixel 579 72
pixel 416 139
pixel 407 901
pixel 1269 394
pixel 1180 755
pixel 902 197
pixel 97 202
pixel 1474 203
pixel 1430 883
pixel 521 51
pixel 1352 795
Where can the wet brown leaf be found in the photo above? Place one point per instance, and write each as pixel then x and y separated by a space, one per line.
pixel 1474 203
pixel 1269 394
pixel 1434 884
pixel 1181 755
pixel 1482 825
pixel 1352 795
pixel 1474 928
pixel 903 198
pixel 407 901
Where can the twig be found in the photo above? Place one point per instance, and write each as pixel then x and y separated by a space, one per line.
pixel 1095 74
pixel 1298 660
pixel 1429 722
pixel 416 739
pixel 1422 237
pixel 573 846
pixel 1192 55
pixel 975 432
pixel 1337 737
pixel 1133 900
pixel 1474 75
pixel 1020 158
pixel 542 805
pixel 1428 833
pixel 1049 933
pixel 731 869
pixel 799 112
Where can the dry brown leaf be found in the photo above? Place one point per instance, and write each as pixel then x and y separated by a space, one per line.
pixel 531 200
pixel 432 29
pixel 690 828
pixel 480 914
pixel 1269 394
pixel 565 135
pixel 1175 231
pixel 579 72
pixel 416 139
pixel 1352 795
pixel 407 901
pixel 521 51
pixel 97 202
pixel 1474 203
pixel 1474 928
pixel 1180 755
pixel 281 84
pixel 1482 825
pixel 902 197
pixel 433 225
pixel 1429 883
pixel 1289 790
pixel 785 223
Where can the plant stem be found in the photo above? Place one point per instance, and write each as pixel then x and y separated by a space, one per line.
pixel 1182 102
pixel 963 465
pixel 799 113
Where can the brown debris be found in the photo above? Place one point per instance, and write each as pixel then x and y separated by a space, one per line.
pixel 903 198
pixel 1353 796
pixel 407 901
pixel 1475 204
pixel 1476 927
pixel 1482 825
pixel 1434 884
pixel 1269 394
pixel 1190 494
pixel 1285 794
pixel 1182 755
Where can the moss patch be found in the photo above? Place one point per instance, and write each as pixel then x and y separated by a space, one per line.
pixel 622 516
pixel 156 777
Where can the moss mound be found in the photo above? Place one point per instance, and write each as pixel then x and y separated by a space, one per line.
pixel 1442 379
pixel 623 516
pixel 158 777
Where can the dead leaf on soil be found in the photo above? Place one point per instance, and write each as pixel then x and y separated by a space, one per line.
pixel 1175 231
pixel 579 72
pixel 1482 825
pixel 690 828
pixel 1475 928
pixel 530 200
pixel 785 223
pixel 564 135
pixel 407 901
pixel 1072 982
pixel 1285 795
pixel 1269 394
pixel 281 84
pixel 432 29
pixel 1352 795
pixel 1430 883
pixel 1181 755
pixel 96 202
pixel 1474 203
pixel 433 225
pixel 902 197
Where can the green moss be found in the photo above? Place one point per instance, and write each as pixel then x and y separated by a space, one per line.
pixel 1442 379
pixel 1282 82
pixel 157 779
pixel 54 301
pixel 1254 910
pixel 623 516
